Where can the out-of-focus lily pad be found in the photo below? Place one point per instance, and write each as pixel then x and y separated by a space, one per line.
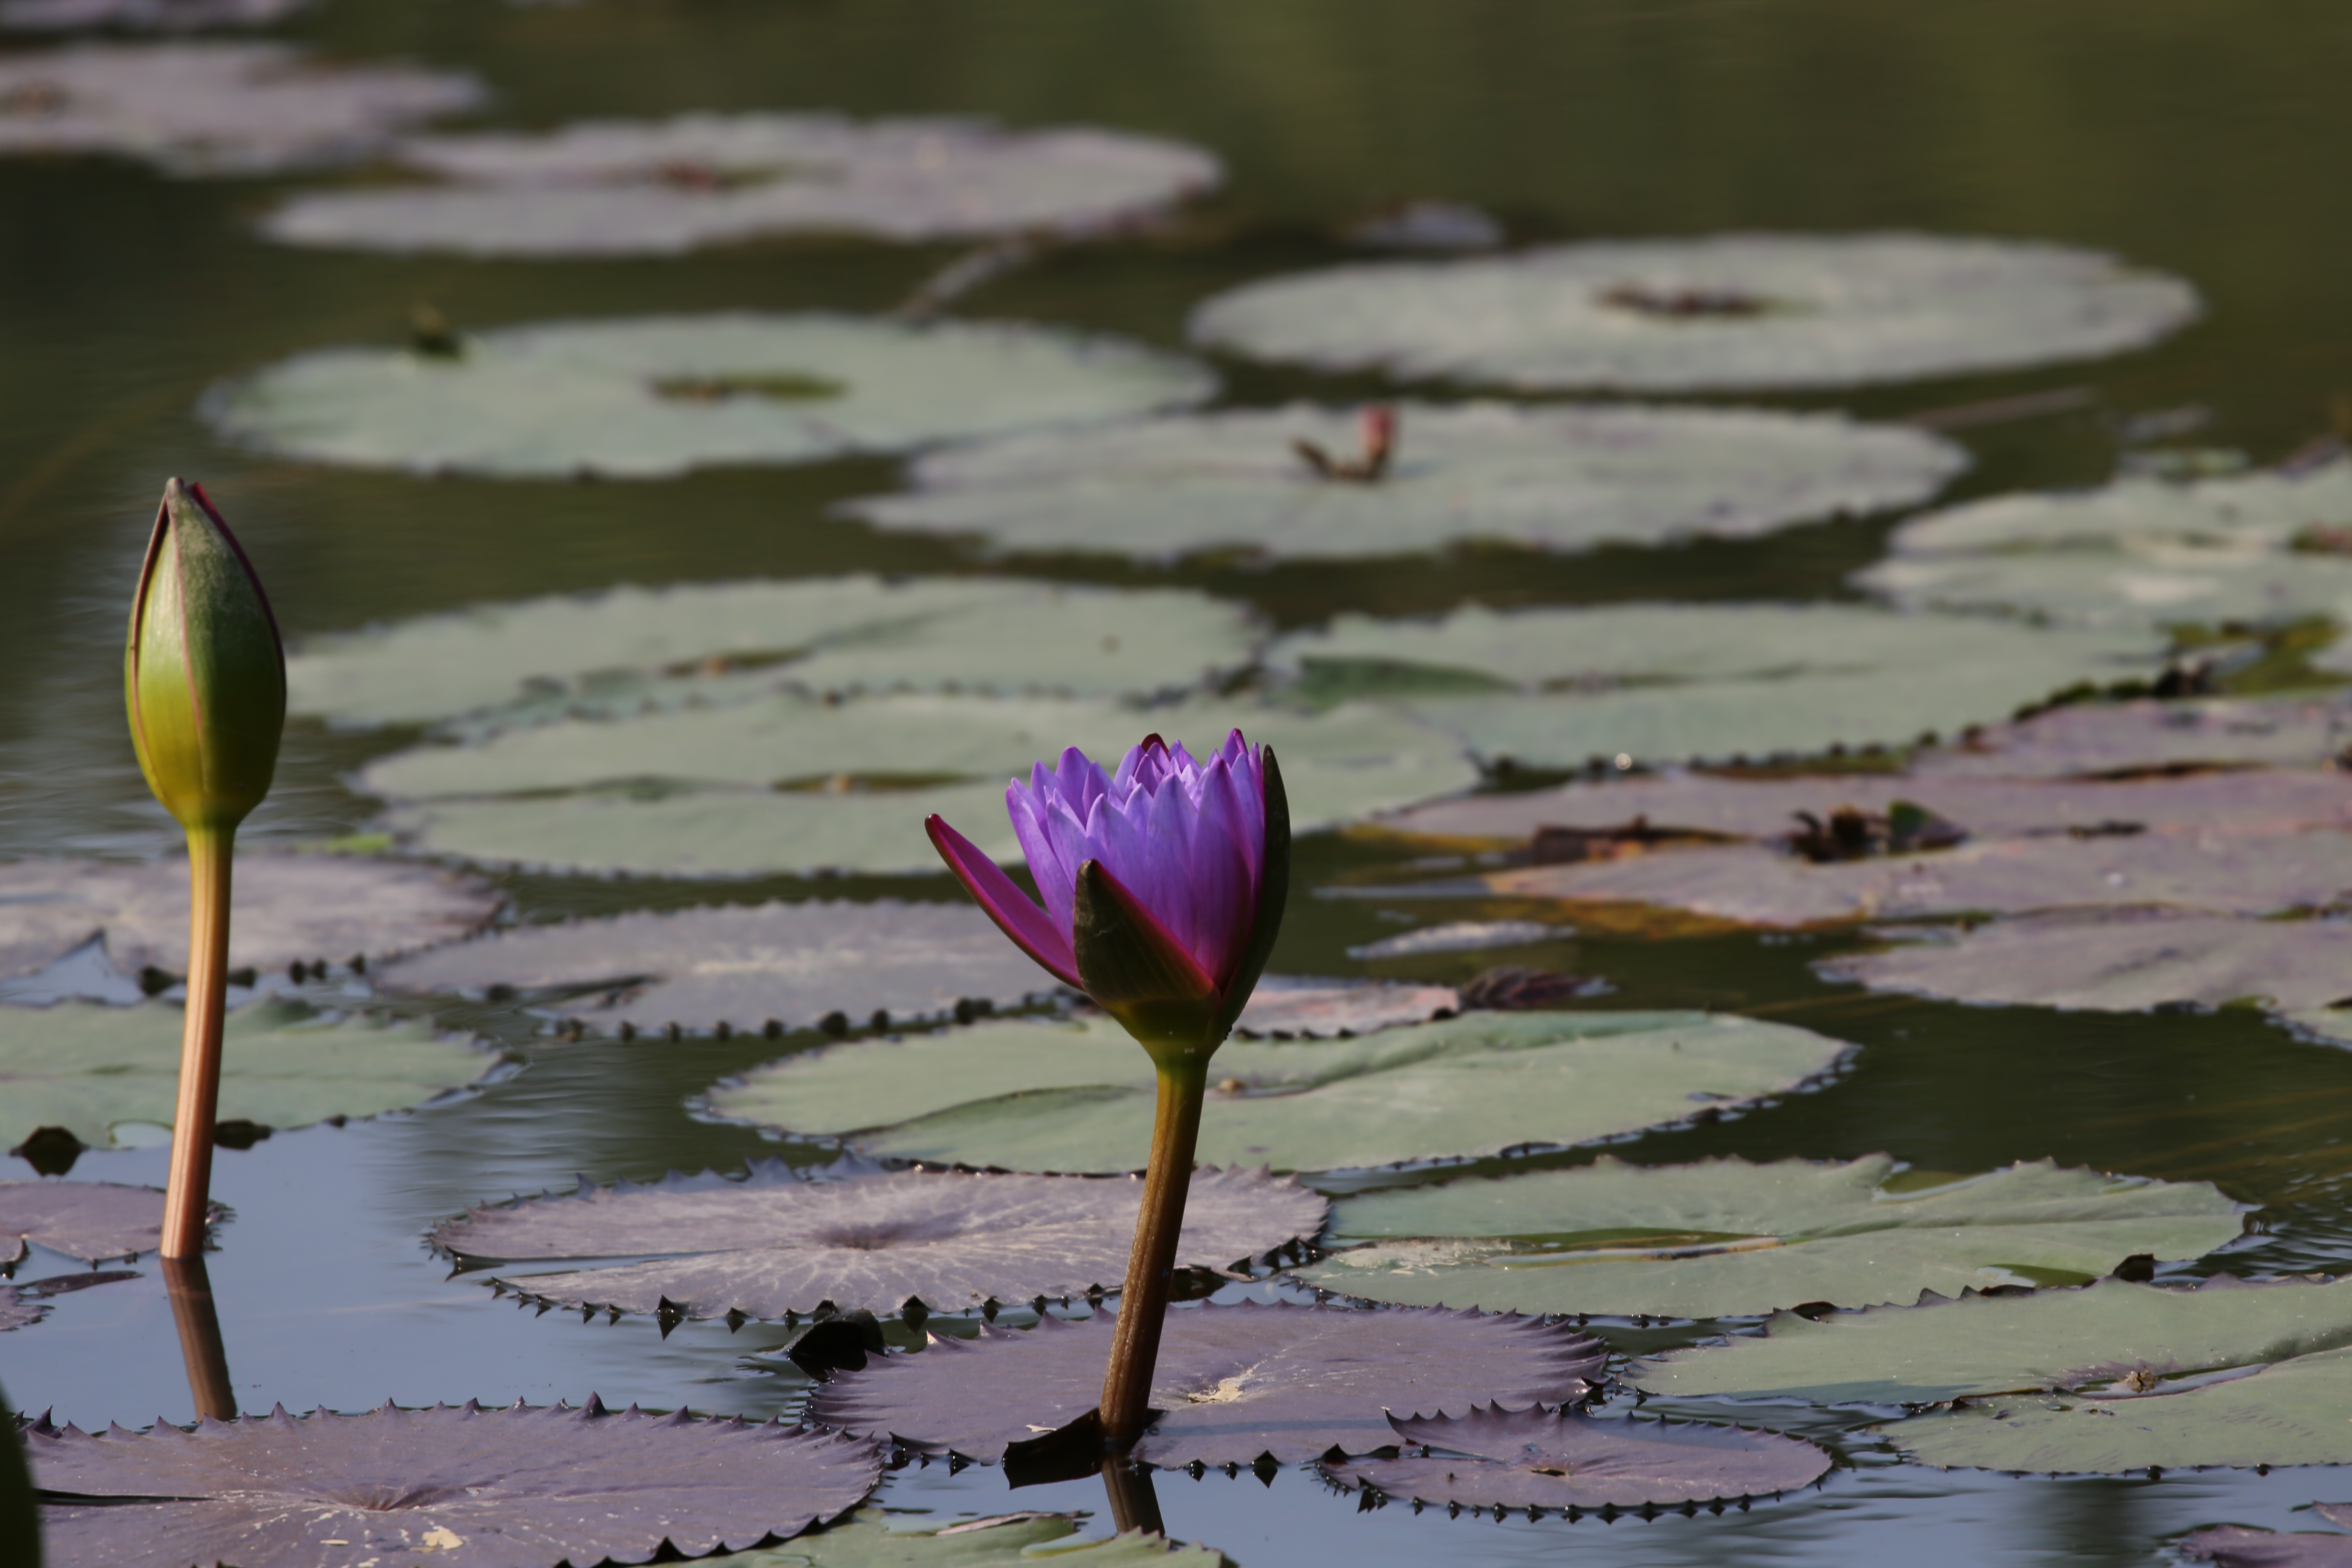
pixel 215 108
pixel 2236 1546
pixel 1543 478
pixel 662 188
pixel 2152 585
pixel 1725 1236
pixel 630 649
pixel 1232 1382
pixel 92 1069
pixel 2111 1336
pixel 743 966
pixel 1730 310
pixel 2258 513
pixel 1287 1005
pixel 1078 1096
pixel 2125 739
pixel 874 1540
pixel 1460 936
pixel 653 396
pixel 1540 1458
pixel 2117 960
pixel 289 907
pixel 775 1243
pixel 143 16
pixel 791 783
pixel 518 1486
pixel 89 1220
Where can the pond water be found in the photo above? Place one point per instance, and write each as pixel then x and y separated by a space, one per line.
pixel 2186 136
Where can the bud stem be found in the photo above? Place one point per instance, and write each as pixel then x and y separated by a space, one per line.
pixel 1143 1300
pixel 188 1194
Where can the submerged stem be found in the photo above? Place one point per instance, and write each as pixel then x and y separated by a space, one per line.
pixel 198 1319
pixel 188 1194
pixel 1151 1268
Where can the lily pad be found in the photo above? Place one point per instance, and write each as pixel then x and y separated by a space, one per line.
pixel 1736 310
pixel 89 1220
pixel 654 396
pixel 143 16
pixel 1233 1382
pixel 875 1540
pixel 2236 1546
pixel 215 108
pixel 793 783
pixel 629 649
pixel 18 1310
pixel 776 1243
pixel 665 187
pixel 2119 960
pixel 1565 479
pixel 2125 739
pixel 289 909
pixel 1537 1458
pixel 1460 936
pixel 2152 585
pixel 93 1069
pixel 1723 1237
pixel 1078 1096
pixel 2258 513
pixel 518 1488
pixel 1289 1005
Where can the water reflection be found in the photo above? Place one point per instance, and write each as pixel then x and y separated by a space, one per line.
pixel 198 1321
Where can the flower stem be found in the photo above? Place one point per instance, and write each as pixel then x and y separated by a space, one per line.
pixel 1143 1301
pixel 188 1194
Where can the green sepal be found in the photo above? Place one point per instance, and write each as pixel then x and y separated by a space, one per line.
pixel 1272 896
pixel 20 1516
pixel 1142 976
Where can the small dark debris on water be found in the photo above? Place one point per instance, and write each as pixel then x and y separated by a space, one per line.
pixel 238 1134
pixel 1379 425
pixel 430 336
pixel 1853 834
pixel 1685 304
pixel 50 1151
pixel 2139 1269
pixel 1511 988
pixel 154 982
pixel 840 1343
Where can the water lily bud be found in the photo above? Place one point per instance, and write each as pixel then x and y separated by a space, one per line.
pixel 204 673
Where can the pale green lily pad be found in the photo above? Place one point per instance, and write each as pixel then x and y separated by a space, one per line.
pixel 1078 1096
pixel 93 1069
pixel 791 783
pixel 875 1540
pixel 2150 587
pixel 1725 1236
pixel 143 16
pixel 1556 479
pixel 631 650
pixel 2257 513
pixel 653 396
pixel 1728 311
pixel 665 187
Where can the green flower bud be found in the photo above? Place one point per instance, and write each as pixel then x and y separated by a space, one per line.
pixel 204 673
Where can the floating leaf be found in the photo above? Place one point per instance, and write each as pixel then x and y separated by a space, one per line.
pixel 289 909
pixel 1728 311
pixel 653 396
pixel 518 1488
pixel 1233 1382
pixel 2116 960
pixel 215 108
pixel 790 782
pixel 875 1540
pixel 744 966
pixel 2235 1546
pixel 1537 1458
pixel 777 1243
pixel 1287 1005
pixel 1460 936
pixel 2111 1335
pixel 1078 1096
pixel 1725 1236
pixel 2254 514
pixel 143 16
pixel 2151 587
pixel 89 1220
pixel 665 187
pixel 1551 478
pixel 91 1070
pixel 17 1308
pixel 627 649
pixel 2121 738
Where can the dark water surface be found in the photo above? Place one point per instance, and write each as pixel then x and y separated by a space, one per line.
pixel 2206 139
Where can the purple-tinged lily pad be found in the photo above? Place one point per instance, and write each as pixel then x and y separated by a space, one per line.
pixel 17 1308
pixel 2121 739
pixel 1301 1006
pixel 1461 936
pixel 776 1243
pixel 518 1487
pixel 143 16
pixel 215 108
pixel 2237 1546
pixel 742 966
pixel 289 909
pixel 1232 1382
pixel 89 1220
pixel 1540 1458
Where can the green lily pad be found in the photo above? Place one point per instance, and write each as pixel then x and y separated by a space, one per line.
pixel 793 783
pixel 2127 739
pixel 1725 1236
pixel 2257 513
pixel 874 1539
pixel 632 650
pixel 1565 479
pixel 1078 1096
pixel 215 108
pixel 2150 587
pixel 557 399
pixel 665 187
pixel 94 1070
pixel 2110 1337
pixel 1728 311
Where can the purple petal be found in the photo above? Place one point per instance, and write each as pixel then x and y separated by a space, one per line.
pixel 1015 914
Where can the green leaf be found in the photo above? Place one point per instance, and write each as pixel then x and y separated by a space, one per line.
pixel 557 399
pixel 1725 1236
pixel 1078 1096
pixel 878 1540
pixel 92 1069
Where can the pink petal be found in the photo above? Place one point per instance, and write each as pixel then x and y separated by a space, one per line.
pixel 1015 913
